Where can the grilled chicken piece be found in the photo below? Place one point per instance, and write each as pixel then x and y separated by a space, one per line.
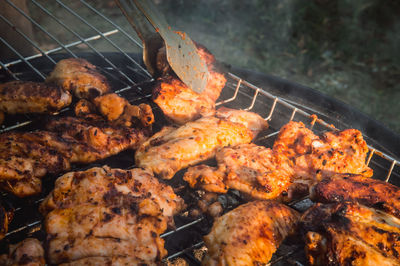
pixel 367 191
pixel 118 109
pixel 28 252
pixel 179 103
pixel 26 157
pixel 100 186
pixel 79 77
pixel 318 157
pixel 117 261
pixel 111 213
pixel 114 230
pixel 254 170
pixel 172 149
pixel 249 234
pixel 21 97
pixel 351 234
pixel 92 138
pixel 5 219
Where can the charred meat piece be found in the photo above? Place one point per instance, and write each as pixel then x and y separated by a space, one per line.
pixel 22 97
pixel 249 234
pixel 5 219
pixel 79 77
pixel 350 234
pixel 172 149
pixel 117 260
pixel 179 103
pixel 317 157
pixel 92 138
pixel 110 213
pixel 254 170
pixel 103 185
pixel 28 252
pixel 367 191
pixel 27 157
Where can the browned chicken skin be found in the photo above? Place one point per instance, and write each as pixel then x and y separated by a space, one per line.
pixel 367 191
pixel 172 149
pixel 350 234
pixel 27 157
pixel 254 170
pixel 179 103
pixel 28 252
pixel 117 110
pixel 22 97
pixel 249 234
pixel 298 160
pixel 111 213
pixel 79 77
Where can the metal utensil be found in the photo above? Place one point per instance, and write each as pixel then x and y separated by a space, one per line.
pixel 155 32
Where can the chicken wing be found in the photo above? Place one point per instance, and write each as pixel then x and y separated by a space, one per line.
pixel 172 149
pixel 367 191
pixel 350 234
pixel 254 170
pixel 249 234
pixel 79 77
pixel 21 97
pixel 101 185
pixel 111 213
pixel 179 103
pixel 28 252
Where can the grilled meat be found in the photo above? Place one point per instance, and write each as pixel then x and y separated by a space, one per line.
pixel 28 252
pixel 367 191
pixel 94 261
pixel 254 170
pixel 79 77
pixel 249 234
pixel 350 234
pixel 179 103
pixel 318 157
pixel 92 138
pixel 111 213
pixel 172 149
pixel 101 185
pixel 5 219
pixel 21 97
pixel 26 157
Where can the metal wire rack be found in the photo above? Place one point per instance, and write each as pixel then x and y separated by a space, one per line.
pixel 130 79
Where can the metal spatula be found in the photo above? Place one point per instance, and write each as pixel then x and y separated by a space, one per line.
pixel 154 31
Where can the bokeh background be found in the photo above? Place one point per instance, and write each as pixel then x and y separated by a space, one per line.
pixel 348 49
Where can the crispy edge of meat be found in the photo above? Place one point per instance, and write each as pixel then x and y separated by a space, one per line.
pixel 249 234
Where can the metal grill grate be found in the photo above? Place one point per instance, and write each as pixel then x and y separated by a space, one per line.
pixel 130 79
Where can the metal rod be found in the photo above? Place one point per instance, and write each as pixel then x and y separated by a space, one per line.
pixel 9 23
pixel 253 100
pixel 101 34
pixel 390 171
pixel 23 59
pixel 57 49
pixel 41 28
pixel 81 39
pixel 234 95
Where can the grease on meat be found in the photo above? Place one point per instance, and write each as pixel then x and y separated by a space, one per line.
pixel 249 234
pixel 172 149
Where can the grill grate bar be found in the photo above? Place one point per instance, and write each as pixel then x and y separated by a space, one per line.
pixel 57 49
pixel 197 245
pixel 41 28
pixel 23 59
pixel 27 38
pixel 83 40
pixel 182 227
pixel 101 34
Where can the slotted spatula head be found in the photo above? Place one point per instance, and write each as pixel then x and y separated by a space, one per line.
pixel 181 52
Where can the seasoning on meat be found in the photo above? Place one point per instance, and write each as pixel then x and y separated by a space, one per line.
pixel 172 149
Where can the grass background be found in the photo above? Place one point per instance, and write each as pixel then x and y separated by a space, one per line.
pixel 348 49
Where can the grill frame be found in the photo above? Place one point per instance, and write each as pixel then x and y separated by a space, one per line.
pixel 265 101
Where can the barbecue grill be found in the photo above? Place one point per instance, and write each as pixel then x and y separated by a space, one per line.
pixel 277 100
